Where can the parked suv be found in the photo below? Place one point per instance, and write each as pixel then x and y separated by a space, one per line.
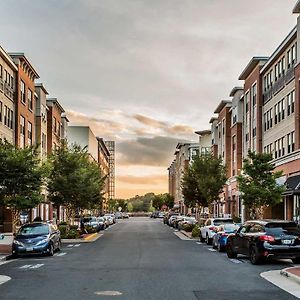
pixel 209 229
pixel 265 239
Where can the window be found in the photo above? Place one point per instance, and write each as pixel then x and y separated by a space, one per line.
pixel 254 92
pixel 43 141
pixel 0 111
pixel 23 99
pixel 279 111
pixel 280 147
pixel 291 142
pixel 29 99
pixel 22 131
pixel 290 103
pixel 1 71
pixel 254 132
pixel 29 129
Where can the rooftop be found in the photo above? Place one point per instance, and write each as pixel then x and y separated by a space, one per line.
pixel 235 89
pixel 222 104
pixel 55 101
pixel 203 132
pixel 251 65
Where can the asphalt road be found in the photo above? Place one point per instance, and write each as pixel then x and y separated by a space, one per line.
pixel 139 258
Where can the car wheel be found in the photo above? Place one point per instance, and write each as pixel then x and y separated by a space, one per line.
pixel 254 257
pixel 58 245
pixel 51 250
pixel 219 247
pixel 230 252
pixel 296 260
pixel 208 240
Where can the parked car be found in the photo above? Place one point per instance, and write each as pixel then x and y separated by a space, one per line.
pixel 168 216
pixel 92 222
pixel 154 214
pixel 36 238
pixel 186 221
pixel 102 223
pixel 125 215
pixel 265 239
pixel 112 216
pixel 174 220
pixel 208 230
pixel 109 219
pixel 220 238
pixel 161 215
pixel 118 215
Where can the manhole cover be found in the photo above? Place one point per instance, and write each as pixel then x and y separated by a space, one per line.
pixel 108 293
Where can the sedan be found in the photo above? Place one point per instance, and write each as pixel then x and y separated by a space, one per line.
pixel 220 238
pixel 36 238
pixel 265 239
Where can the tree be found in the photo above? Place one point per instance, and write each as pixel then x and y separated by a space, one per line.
pixel 75 180
pixel 158 202
pixel 258 183
pixel 21 178
pixel 203 180
pixel 168 200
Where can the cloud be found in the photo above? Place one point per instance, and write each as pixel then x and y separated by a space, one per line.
pixel 154 151
pixel 143 180
pixel 150 121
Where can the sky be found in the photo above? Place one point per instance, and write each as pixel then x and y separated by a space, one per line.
pixel 145 73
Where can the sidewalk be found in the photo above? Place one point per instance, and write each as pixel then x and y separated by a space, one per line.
pixel 292 273
pixel 87 238
pixel 188 234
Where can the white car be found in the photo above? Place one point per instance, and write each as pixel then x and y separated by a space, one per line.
pixel 209 229
pixel 111 216
pixel 109 219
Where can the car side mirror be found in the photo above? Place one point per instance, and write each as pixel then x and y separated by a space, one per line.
pixel 1 236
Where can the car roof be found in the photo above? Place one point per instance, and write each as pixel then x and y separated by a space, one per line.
pixel 35 224
pixel 266 221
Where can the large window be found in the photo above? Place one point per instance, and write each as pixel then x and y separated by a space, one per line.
pixel 22 131
pixel 279 146
pixel 0 111
pixel 29 99
pixel 291 142
pixel 29 129
pixel 23 99
pixel 279 111
pixel 290 103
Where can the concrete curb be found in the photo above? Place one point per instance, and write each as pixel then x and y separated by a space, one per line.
pixel 91 240
pixel 4 279
pixel 187 235
pixel 289 275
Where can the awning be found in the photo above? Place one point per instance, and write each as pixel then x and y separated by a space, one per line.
pixel 292 186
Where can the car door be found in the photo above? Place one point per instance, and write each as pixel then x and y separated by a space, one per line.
pixel 240 239
pixel 54 235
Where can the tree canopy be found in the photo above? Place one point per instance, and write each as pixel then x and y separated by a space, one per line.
pixel 203 181
pixel 258 182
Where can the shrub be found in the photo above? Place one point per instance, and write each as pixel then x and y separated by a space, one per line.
pixel 73 234
pixel 196 231
pixel 68 232
pixel 90 229
pixel 188 227
pixel 63 223
pixel 63 230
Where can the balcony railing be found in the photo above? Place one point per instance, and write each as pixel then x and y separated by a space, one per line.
pixel 1 85
pixel 290 74
pixel 8 91
pixel 278 85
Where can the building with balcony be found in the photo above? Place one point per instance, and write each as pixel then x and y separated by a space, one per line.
pixel 111 146
pixel 8 74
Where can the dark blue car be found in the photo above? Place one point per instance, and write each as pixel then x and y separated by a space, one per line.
pixel 222 232
pixel 36 238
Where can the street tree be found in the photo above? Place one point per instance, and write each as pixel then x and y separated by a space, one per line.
pixel 158 201
pixel 21 178
pixel 75 180
pixel 258 183
pixel 203 181
pixel 168 200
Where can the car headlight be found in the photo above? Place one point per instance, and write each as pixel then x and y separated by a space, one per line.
pixel 42 242
pixel 18 243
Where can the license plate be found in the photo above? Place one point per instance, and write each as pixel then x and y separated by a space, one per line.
pixel 287 242
pixel 29 249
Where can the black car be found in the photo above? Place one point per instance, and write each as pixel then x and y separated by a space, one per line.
pixel 36 238
pixel 265 239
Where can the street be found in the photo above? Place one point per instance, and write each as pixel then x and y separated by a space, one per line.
pixel 139 258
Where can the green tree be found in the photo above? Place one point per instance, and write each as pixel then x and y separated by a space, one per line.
pixel 75 180
pixel 21 178
pixel 168 200
pixel 258 183
pixel 158 202
pixel 203 181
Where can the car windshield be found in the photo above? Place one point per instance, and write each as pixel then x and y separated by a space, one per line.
pixel 34 230
pixel 230 227
pixel 85 220
pixel 101 219
pixel 278 229
pixel 222 221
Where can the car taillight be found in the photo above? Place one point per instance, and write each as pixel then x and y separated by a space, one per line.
pixel 212 228
pixel 224 234
pixel 267 238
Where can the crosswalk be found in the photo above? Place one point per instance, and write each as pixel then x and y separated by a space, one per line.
pixel 34 266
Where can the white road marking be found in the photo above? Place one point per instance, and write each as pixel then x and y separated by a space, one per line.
pixel 61 254
pixel 25 267
pixel 235 261
pixel 3 262
pixel 211 250
pixel 36 266
pixel 70 246
pixel 199 243
pixel 4 279
pixel 108 293
pixel 77 245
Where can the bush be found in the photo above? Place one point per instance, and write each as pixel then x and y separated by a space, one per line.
pixel 196 231
pixel 63 223
pixel 68 232
pixel 90 229
pixel 63 230
pixel 188 227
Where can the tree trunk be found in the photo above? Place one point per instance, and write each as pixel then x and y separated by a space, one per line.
pixel 15 219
